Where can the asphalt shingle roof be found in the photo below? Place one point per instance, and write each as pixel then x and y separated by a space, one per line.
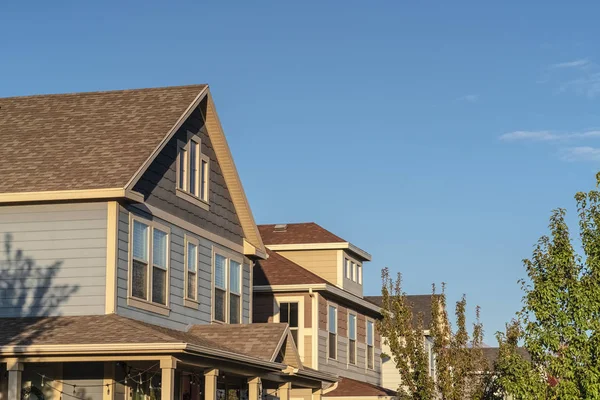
pixel 352 388
pixel 421 304
pixel 299 233
pixel 94 140
pixel 278 270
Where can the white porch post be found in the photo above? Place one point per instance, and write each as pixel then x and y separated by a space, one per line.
pixel 254 386
pixel 316 394
pixel 167 384
pixel 284 391
pixel 15 373
pixel 210 384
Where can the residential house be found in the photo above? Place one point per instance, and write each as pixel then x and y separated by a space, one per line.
pixel 128 245
pixel 313 280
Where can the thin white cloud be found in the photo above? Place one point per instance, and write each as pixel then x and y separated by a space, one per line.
pixel 547 136
pixel 582 153
pixel 581 63
pixel 586 86
pixel 469 98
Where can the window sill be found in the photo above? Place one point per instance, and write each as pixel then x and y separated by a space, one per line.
pixel 192 199
pixel 147 306
pixel 214 321
pixel 191 303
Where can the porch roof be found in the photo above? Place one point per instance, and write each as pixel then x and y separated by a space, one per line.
pixel 347 387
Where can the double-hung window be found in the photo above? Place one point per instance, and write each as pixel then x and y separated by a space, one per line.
pixel 193 170
pixel 228 290
pixel 370 345
pixel 191 269
pixel 352 339
pixel 149 261
pixel 332 327
pixel 288 313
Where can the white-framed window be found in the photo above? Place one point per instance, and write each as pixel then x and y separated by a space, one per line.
pixel 332 329
pixel 289 313
pixel 370 345
pixel 348 267
pixel 351 338
pixel 359 273
pixel 193 169
pixel 227 299
pixel 431 356
pixel 149 263
pixel 191 268
pixel 353 271
pixel 290 310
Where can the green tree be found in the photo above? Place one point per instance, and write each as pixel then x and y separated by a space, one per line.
pixel 560 320
pixel 459 360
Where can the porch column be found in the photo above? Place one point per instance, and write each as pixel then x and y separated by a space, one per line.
pixel 284 391
pixel 254 386
pixel 108 381
pixel 316 394
pixel 167 383
pixel 210 384
pixel 15 373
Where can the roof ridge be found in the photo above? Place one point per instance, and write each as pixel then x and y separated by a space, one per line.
pixel 199 85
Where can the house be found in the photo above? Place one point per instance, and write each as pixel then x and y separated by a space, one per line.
pixel 127 259
pixel 420 306
pixel 313 280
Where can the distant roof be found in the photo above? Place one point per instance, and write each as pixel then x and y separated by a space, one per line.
pixel 278 270
pixel 259 341
pixel 421 303
pixel 352 388
pixel 491 354
pixel 77 141
pixel 299 233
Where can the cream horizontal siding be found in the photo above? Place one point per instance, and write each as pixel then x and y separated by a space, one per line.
pixel 390 377
pixel 58 259
pixel 323 263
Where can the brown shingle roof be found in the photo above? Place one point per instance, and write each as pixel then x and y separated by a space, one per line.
pixel 301 233
pixel 352 388
pixel 490 354
pixel 259 341
pixel 421 304
pixel 93 140
pixel 278 270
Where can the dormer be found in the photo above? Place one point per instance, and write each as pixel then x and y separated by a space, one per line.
pixel 320 251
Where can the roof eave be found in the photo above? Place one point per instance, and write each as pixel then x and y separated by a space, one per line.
pixel 363 255
pixel 71 195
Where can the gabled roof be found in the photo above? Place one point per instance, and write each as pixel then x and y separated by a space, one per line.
pixel 278 270
pixel 421 304
pixel 347 387
pixel 98 145
pixel 299 233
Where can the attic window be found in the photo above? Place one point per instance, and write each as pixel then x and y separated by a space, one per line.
pixel 193 170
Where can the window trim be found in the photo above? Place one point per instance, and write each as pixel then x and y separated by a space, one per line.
pixel 184 192
pixel 334 306
pixel 359 273
pixel 228 255
pixel 147 304
pixel 355 338
pixel 189 301
pixel 367 321
pixel 276 318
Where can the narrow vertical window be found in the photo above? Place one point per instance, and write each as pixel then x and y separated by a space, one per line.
pixel 191 270
pixel 332 326
pixel 354 272
pixel 193 189
pixel 182 162
pixel 220 287
pixel 288 313
pixel 348 269
pixel 370 345
pixel 359 273
pixel 204 179
pixel 235 291
pixel 159 267
pixel 352 339
pixel 193 173
pixel 140 260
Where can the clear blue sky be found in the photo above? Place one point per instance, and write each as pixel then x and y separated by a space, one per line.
pixel 382 121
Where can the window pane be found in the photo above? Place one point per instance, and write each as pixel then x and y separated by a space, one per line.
pixel 140 241
pixel 193 167
pixel 191 285
pixel 332 319
pixel 352 352
pixel 159 248
pixel 332 345
pixel 234 309
pixel 294 333
pixel 139 278
pixel 293 315
pixel 220 263
pixel 348 273
pixel 182 171
pixel 159 285
pixel 192 254
pixel 284 309
pixel 219 305
pixel 234 277
pixel 359 272
pixel 204 181
pixel 354 272
pixel 352 326
pixel 370 333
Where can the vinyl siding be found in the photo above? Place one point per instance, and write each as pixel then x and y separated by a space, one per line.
pixel 180 316
pixel 158 185
pixel 320 262
pixel 58 259
pixel 390 377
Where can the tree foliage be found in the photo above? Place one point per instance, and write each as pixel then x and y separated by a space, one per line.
pixel 459 359
pixel 560 320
